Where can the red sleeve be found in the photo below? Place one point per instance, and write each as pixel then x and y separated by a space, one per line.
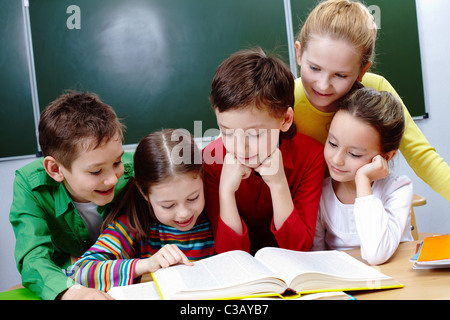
pixel 297 232
pixel 225 239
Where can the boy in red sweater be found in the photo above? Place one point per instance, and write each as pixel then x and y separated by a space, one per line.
pixel 263 180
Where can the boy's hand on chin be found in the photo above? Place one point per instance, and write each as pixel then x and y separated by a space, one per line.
pixel 232 173
pixel 272 169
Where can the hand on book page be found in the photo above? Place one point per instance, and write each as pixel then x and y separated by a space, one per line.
pixel 273 271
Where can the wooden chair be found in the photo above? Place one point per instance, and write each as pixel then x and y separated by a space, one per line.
pixel 417 202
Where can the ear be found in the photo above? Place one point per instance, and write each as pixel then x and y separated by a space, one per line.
pixel 364 70
pixel 287 119
pixel 142 193
pixel 388 156
pixel 53 169
pixel 298 52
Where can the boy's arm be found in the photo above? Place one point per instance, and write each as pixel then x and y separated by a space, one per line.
pixel 225 239
pixel 232 174
pixel 297 231
pixel 34 248
pixel 272 172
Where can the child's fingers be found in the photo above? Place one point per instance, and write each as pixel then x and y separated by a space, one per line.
pixel 185 260
pixel 173 255
pixel 181 257
pixel 271 165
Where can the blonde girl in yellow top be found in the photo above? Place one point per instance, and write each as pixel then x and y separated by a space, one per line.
pixel 334 49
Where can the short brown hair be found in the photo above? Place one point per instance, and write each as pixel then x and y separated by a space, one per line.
pixel 251 77
pixel 70 120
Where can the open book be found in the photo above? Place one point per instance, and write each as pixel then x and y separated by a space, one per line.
pixel 272 272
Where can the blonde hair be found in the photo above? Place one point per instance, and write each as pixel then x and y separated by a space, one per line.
pixel 345 20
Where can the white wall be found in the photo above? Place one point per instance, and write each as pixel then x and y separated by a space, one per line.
pixel 434 31
pixel 433 217
pixel 9 276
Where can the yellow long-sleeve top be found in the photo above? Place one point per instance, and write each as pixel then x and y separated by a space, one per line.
pixel 421 157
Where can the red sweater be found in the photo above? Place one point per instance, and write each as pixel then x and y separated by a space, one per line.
pixel 304 167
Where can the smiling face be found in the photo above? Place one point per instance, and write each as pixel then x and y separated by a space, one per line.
pixel 351 143
pixel 329 68
pixel 251 134
pixel 179 201
pixel 94 174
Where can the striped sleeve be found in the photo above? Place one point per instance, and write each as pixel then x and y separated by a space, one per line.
pixel 109 262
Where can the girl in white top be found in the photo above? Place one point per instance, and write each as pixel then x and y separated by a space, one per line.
pixel 361 205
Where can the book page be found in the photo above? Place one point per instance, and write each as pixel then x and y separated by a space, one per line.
pixel 289 264
pixel 220 271
pixel 140 291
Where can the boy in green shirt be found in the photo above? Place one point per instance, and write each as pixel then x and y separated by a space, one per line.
pixel 59 201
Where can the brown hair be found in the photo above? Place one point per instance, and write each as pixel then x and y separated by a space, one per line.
pixel 250 77
pixel 345 20
pixel 379 109
pixel 158 157
pixel 66 125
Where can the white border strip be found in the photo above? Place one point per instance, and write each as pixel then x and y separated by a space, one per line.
pixel 31 69
pixel 290 36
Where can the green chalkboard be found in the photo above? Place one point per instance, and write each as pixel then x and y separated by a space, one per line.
pixel 397 52
pixel 151 60
pixel 17 130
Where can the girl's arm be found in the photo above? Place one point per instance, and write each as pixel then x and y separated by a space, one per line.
pixel 421 157
pixel 424 159
pixel 381 221
pixel 109 262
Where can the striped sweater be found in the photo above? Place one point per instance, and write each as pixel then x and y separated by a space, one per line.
pixel 110 262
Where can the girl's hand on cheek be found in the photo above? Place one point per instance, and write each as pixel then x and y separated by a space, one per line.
pixel 375 170
pixel 232 174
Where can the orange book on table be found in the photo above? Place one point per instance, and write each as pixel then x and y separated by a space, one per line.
pixel 435 249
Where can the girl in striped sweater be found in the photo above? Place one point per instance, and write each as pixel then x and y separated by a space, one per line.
pixel 158 219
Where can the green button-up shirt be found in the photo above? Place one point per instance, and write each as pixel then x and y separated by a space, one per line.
pixel 48 228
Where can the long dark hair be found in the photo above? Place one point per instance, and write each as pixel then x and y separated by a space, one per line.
pixel 158 157
pixel 381 110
